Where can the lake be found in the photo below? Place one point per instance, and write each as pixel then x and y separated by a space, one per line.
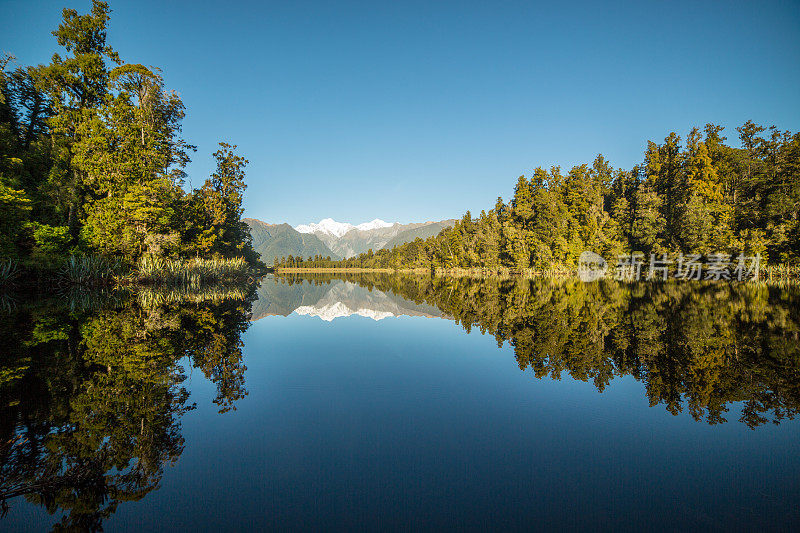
pixel 403 403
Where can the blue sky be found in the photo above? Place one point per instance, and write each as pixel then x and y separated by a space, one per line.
pixel 413 111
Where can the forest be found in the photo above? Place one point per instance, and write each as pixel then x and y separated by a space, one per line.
pixel 92 167
pixel 92 177
pixel 699 197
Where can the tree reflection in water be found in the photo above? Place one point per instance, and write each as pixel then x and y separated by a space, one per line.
pixel 694 346
pixel 92 395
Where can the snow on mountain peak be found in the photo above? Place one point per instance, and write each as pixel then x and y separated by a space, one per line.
pixel 374 224
pixel 326 225
pixel 338 229
pixel 339 309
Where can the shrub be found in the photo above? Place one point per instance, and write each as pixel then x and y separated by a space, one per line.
pixel 51 242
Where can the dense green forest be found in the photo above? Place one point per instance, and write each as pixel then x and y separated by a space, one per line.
pixel 696 347
pixel 702 197
pixel 92 162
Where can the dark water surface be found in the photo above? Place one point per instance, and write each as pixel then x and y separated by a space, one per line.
pixel 366 403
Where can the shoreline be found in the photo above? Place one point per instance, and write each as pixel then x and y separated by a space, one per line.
pixel 777 274
pixel 453 272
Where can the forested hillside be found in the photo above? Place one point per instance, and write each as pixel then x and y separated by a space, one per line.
pixel 702 196
pixel 92 161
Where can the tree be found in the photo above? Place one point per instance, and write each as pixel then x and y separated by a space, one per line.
pixel 664 165
pixel 77 84
pixel 706 218
pixel 14 209
pixel 212 214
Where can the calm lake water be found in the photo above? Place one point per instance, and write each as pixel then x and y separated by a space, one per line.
pixel 400 403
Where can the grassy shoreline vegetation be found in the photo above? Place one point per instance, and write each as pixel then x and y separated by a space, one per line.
pixel 771 274
pixel 474 272
pixel 92 175
pixel 702 197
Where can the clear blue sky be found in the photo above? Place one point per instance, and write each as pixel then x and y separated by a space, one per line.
pixel 412 111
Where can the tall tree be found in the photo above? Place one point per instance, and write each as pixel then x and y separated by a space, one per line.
pixel 77 85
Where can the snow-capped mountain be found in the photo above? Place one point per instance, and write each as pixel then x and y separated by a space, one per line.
pixel 337 240
pixel 348 240
pixel 338 310
pixel 339 299
pixel 348 299
pixel 330 227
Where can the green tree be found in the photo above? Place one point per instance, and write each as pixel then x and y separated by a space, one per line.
pixel 77 84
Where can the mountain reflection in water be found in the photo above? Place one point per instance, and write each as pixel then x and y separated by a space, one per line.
pixel 695 346
pixel 339 299
pixel 92 392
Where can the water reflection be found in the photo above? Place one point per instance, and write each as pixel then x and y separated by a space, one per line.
pixel 92 389
pixel 92 398
pixel 695 347
pixel 329 298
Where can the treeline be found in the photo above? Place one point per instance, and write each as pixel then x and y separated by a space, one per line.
pixel 315 261
pixel 695 347
pixel 701 197
pixel 92 161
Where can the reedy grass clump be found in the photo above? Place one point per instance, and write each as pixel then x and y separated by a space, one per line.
pixel 83 298
pixel 88 270
pixel 9 270
pixel 155 296
pixel 789 274
pixel 191 273
pixel 8 303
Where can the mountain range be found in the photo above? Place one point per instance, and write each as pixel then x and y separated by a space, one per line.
pixel 282 240
pixel 334 300
pixel 335 239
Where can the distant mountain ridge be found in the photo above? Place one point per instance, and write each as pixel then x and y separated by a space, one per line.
pixel 281 240
pixel 335 239
pixel 329 226
pixel 348 240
